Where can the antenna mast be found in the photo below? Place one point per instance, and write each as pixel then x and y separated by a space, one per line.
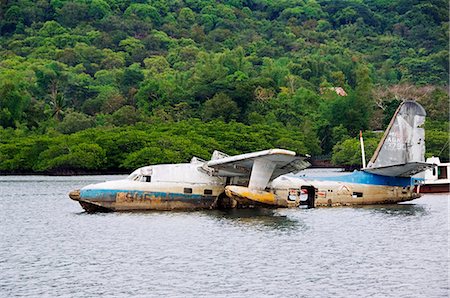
pixel 363 155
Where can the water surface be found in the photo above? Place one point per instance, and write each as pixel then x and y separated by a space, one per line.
pixel 50 247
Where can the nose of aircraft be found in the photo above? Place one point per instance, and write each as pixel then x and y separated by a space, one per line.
pixel 90 202
pixel 103 193
pixel 75 195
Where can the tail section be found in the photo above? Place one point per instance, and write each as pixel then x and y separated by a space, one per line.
pixel 401 151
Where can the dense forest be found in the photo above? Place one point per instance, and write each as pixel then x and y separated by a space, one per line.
pixel 111 85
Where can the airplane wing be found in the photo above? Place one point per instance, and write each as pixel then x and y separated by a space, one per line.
pixel 261 166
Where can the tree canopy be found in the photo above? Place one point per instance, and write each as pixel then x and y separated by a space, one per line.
pixel 250 70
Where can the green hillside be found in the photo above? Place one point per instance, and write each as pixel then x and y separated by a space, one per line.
pixel 98 85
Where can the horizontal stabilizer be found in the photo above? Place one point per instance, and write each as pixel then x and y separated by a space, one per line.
pixel 402 170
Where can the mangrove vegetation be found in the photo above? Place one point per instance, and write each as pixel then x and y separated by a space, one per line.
pixel 111 85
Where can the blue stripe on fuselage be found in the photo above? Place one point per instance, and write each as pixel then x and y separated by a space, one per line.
pixel 361 177
pixel 110 194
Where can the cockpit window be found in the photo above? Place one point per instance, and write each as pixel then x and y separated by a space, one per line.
pixel 141 178
pixel 142 174
pixel 132 176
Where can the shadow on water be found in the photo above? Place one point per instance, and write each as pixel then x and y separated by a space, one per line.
pixel 400 210
pixel 271 218
pixel 258 218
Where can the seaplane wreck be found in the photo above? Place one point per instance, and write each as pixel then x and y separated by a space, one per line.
pixel 265 178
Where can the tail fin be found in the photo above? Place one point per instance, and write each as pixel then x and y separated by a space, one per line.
pixel 401 151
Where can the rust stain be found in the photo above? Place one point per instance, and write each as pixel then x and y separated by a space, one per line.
pixel 242 194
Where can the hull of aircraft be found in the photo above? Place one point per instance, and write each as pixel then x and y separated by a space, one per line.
pixel 348 194
pixel 328 196
pixel 124 195
pixel 358 188
pixel 123 200
pixel 371 196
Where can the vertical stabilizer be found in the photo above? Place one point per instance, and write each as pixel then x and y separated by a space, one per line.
pixel 402 147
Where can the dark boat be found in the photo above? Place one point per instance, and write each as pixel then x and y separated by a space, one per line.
pixel 436 179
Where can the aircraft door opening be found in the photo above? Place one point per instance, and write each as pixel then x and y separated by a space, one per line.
pixel 307 196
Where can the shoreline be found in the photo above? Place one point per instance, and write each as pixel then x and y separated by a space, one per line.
pixel 71 172
pixel 67 173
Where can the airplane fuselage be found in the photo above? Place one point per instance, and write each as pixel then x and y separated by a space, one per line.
pixel 123 195
pixel 202 191
pixel 349 191
pixel 159 187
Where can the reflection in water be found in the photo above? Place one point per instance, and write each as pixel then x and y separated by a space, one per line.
pixel 49 247
pixel 258 218
pixel 397 209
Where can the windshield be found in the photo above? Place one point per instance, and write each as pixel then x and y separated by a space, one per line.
pixel 134 175
pixel 141 174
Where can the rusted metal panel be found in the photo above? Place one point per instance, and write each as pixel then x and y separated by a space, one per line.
pixel 359 194
pixel 247 196
pixel 162 201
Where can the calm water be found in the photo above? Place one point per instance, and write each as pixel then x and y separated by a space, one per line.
pixel 50 247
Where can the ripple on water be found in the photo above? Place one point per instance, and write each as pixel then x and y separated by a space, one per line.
pixel 50 247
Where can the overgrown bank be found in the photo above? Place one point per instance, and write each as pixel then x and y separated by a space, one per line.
pixel 79 79
pixel 122 149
